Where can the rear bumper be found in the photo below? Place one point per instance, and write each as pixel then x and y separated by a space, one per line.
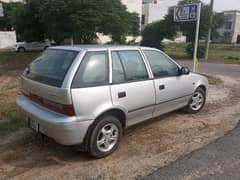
pixel 63 129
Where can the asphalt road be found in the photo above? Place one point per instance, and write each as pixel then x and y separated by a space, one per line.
pixel 231 70
pixel 219 160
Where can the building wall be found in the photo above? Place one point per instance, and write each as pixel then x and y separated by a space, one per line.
pixel 7 39
pixel 230 31
pixel 236 28
pixel 151 13
pixel 155 10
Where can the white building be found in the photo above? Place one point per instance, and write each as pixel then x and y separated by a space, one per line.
pixel 155 10
pixel 134 6
pixel 230 31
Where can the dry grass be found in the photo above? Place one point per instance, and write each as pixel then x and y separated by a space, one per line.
pixel 11 66
pixel 213 80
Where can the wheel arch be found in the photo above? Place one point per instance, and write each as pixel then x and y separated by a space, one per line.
pixel 203 87
pixel 21 47
pixel 116 112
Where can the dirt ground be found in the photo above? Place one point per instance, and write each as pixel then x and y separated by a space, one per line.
pixel 144 148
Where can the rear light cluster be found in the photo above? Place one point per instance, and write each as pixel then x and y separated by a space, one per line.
pixel 66 109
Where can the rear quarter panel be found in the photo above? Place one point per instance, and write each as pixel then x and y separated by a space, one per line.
pixel 90 102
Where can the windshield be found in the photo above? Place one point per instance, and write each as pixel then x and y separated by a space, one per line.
pixel 51 67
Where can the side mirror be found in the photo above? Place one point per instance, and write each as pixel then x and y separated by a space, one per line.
pixel 184 70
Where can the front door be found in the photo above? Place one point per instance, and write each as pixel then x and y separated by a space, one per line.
pixel 131 86
pixel 172 90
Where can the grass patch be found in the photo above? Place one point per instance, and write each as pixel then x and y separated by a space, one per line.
pixel 12 65
pixel 233 58
pixel 12 125
pixel 176 50
pixel 13 61
pixel 220 53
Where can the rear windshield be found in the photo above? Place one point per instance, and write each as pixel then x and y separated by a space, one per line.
pixel 51 67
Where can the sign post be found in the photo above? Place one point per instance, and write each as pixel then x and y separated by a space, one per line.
pixel 190 12
pixel 1 10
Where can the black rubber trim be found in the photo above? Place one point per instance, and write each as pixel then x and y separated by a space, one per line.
pixel 174 99
pixel 130 111
pixel 141 108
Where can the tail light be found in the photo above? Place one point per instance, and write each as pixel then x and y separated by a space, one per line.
pixel 66 109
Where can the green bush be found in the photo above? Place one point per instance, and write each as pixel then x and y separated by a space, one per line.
pixel 233 58
pixel 190 50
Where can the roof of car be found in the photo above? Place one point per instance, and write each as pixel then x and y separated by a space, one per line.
pixel 95 47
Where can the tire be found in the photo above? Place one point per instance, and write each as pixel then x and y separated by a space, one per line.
pixel 199 96
pixel 21 49
pixel 103 141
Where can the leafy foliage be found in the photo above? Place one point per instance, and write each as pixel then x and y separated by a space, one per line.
pixel 77 19
pixel 6 22
pixel 190 50
pixel 189 27
pixel 154 33
pixel 28 22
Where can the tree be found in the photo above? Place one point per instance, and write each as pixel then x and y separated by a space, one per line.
pixel 154 33
pixel 28 22
pixel 117 21
pixel 6 22
pixel 189 27
pixel 76 19
pixel 218 21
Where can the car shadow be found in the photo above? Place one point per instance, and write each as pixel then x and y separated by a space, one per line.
pixel 35 151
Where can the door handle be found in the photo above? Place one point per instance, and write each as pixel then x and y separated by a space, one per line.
pixel 121 94
pixel 161 87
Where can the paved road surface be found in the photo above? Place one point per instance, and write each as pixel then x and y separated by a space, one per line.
pixel 231 70
pixel 217 161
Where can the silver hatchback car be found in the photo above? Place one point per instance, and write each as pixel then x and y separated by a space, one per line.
pixel 87 95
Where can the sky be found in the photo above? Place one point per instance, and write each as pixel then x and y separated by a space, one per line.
pixel 219 5
pixel 222 5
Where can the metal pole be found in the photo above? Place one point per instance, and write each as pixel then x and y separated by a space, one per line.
pixel 209 32
pixel 71 41
pixel 196 38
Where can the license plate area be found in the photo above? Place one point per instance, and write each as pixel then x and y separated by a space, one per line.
pixel 32 124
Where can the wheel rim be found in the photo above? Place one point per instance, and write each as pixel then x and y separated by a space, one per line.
pixel 197 101
pixel 107 137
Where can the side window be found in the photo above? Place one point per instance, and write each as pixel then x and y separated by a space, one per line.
pixel 160 64
pixel 93 70
pixel 118 74
pixel 131 64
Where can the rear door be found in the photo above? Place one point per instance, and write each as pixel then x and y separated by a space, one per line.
pixel 131 87
pixel 90 87
pixel 172 89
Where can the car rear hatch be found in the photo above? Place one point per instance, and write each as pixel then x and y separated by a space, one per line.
pixel 42 80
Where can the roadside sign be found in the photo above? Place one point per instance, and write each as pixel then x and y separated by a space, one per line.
pixel 190 12
pixel 186 13
pixel 1 10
